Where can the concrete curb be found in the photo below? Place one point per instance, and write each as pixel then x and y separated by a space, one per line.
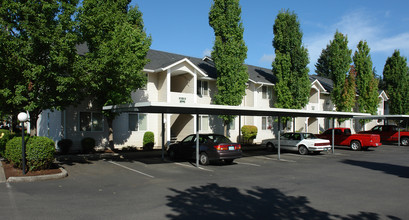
pixel 15 179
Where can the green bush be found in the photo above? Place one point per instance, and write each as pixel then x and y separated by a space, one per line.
pixel 5 136
pixel 148 140
pixel 13 152
pixel 64 145
pixel 40 153
pixel 249 133
pixel 87 145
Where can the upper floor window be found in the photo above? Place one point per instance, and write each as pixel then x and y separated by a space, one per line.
pixel 138 122
pixel 267 92
pixel 202 88
pixel 91 121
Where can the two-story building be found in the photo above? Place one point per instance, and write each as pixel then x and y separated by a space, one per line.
pixel 174 78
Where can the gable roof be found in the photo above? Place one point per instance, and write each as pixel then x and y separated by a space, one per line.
pixel 325 82
pixel 160 59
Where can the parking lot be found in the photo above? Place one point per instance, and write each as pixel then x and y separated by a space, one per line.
pixel 349 184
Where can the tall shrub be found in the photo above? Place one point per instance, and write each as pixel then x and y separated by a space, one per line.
pixel 148 140
pixel 40 153
pixel 249 133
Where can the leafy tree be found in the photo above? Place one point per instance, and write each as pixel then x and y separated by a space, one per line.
pixel 118 44
pixel 37 54
pixel 290 65
pixel 339 60
pixel 229 53
pixel 367 84
pixel 396 78
pixel 348 95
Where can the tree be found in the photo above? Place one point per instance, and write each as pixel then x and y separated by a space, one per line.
pixel 118 44
pixel 348 94
pixel 339 60
pixel 229 53
pixel 322 64
pixel 396 78
pixel 367 84
pixel 37 56
pixel 290 64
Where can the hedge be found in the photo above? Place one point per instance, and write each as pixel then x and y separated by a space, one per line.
pixel 39 152
pixel 249 132
pixel 148 140
pixel 5 136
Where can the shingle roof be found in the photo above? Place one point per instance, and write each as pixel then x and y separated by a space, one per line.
pixel 325 82
pixel 160 59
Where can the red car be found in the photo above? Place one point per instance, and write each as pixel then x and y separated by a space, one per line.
pixel 344 137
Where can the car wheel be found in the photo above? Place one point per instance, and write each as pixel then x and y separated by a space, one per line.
pixel 303 150
pixel 270 146
pixel 203 158
pixel 404 141
pixel 228 161
pixel 355 145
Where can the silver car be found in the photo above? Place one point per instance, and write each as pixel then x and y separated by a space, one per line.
pixel 302 142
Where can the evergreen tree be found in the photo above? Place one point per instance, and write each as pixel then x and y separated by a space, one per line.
pixel 348 95
pixel 290 64
pixel 37 41
pixel 338 66
pixel 322 64
pixel 367 84
pixel 117 45
pixel 396 78
pixel 229 53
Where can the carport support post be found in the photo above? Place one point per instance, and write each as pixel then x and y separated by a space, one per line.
pixel 197 140
pixel 333 135
pixel 279 144
pixel 163 136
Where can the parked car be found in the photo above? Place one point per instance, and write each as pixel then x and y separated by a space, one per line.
pixel 344 137
pixel 389 133
pixel 212 147
pixel 302 142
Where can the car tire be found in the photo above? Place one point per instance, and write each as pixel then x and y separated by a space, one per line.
pixel 404 141
pixel 204 159
pixel 355 145
pixel 303 150
pixel 228 161
pixel 270 146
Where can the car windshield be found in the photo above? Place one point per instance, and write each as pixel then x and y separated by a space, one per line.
pixel 309 136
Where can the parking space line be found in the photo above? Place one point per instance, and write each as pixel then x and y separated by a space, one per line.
pixel 251 164
pixel 184 165
pixel 136 171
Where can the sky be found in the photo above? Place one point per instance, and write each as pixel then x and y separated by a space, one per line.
pixel 182 26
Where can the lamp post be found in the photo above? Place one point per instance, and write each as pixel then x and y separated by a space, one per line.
pixel 23 117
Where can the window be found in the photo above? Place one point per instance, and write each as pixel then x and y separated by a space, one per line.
pixel 266 123
pixel 232 124
pixel 202 88
pixel 267 92
pixel 204 123
pixel 91 121
pixel 138 122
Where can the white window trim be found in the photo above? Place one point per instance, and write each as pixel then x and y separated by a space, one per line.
pixel 92 127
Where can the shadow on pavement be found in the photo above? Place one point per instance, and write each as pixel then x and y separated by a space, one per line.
pixel 212 201
pixel 400 171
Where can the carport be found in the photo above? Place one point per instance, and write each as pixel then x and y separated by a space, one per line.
pixel 385 117
pixel 200 109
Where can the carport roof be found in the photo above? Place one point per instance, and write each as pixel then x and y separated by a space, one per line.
pixel 390 117
pixel 162 107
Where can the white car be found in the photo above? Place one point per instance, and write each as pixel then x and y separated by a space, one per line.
pixel 302 142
